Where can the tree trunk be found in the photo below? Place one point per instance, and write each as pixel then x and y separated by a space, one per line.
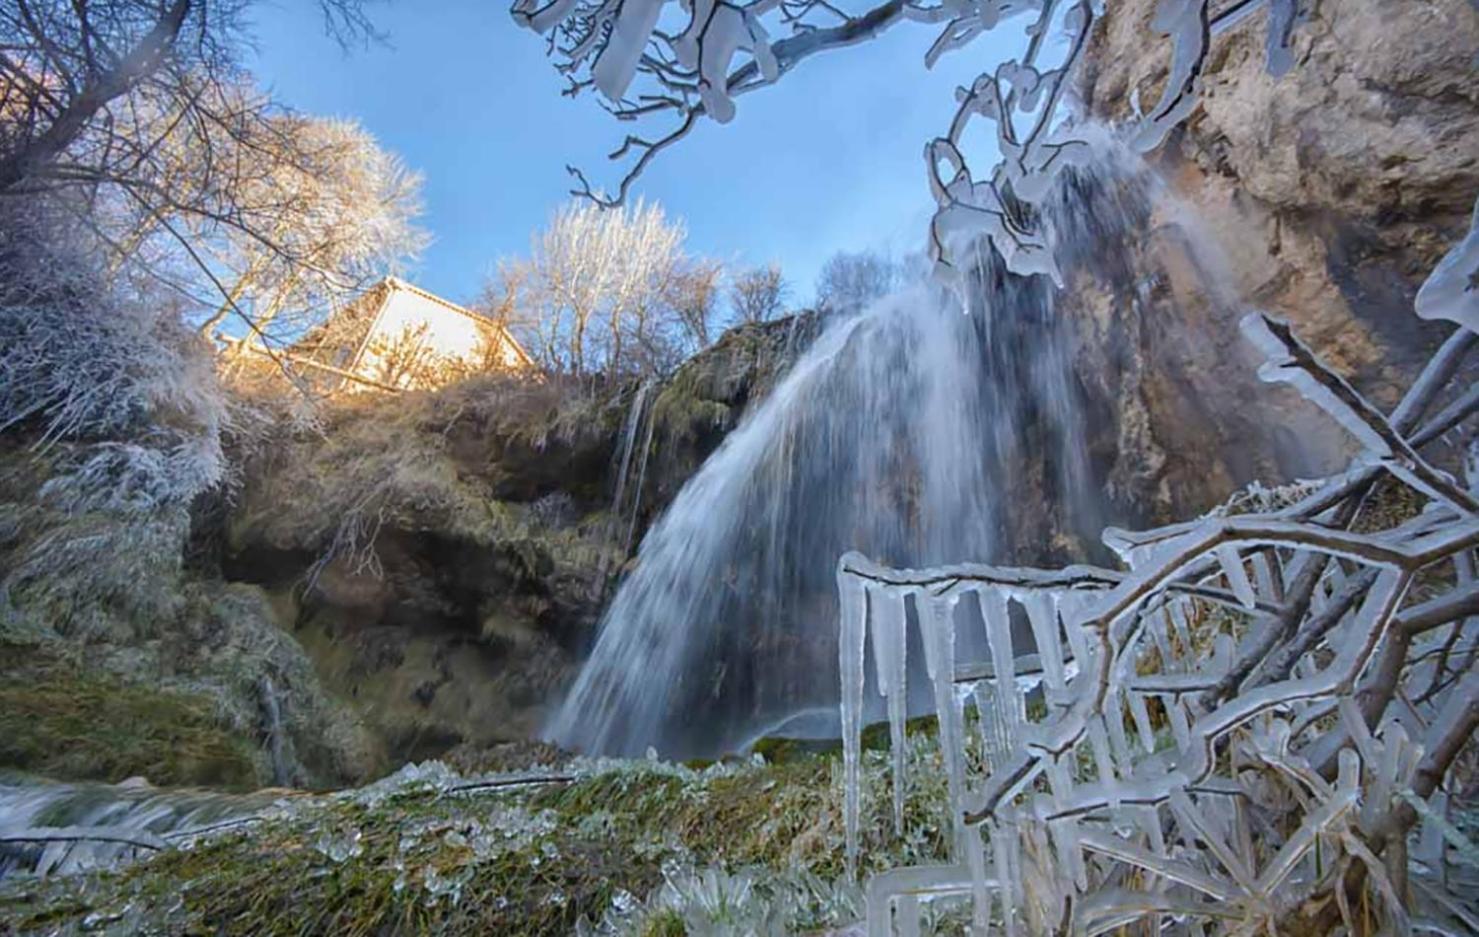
pixel 139 63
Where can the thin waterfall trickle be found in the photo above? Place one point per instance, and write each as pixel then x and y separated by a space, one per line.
pixel 621 525
pixel 636 511
pixel 628 442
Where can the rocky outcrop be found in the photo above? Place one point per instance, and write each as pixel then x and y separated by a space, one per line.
pixel 1324 197
pixel 119 660
pixel 1331 191
pixel 444 557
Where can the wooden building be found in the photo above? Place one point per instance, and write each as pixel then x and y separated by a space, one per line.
pixel 397 336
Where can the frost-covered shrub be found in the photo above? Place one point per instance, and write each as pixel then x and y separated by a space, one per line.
pixel 135 389
pixel 110 425
pixel 112 370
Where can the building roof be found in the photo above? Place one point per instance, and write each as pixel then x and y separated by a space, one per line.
pixel 339 350
pixel 394 284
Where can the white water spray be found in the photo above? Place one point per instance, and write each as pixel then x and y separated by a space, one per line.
pixel 893 433
pixel 935 424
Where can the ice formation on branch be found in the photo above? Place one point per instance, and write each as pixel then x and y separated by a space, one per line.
pixel 678 62
pixel 1452 292
pixel 1235 735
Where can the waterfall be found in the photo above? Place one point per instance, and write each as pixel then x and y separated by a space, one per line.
pixel 998 419
pixel 902 432
pixel 49 828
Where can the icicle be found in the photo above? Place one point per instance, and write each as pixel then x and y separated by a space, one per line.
pixel 1176 714
pixel 980 895
pixel 851 639
pixel 1263 574
pixel 906 915
pixel 1004 848
pixel 1237 575
pixel 1430 848
pixel 1141 715
pixel 937 621
pixel 1042 613
pixel 1156 623
pixel 1150 821
pixel 1099 742
pixel 1222 654
pixel 618 59
pixel 1065 831
pixel 1318 598
pixel 964 692
pixel 1036 876
pixel 890 650
pixel 1114 721
pixel 999 636
pixel 1335 578
pixel 1072 608
pixel 1393 771
pixel 1180 623
pixel 989 723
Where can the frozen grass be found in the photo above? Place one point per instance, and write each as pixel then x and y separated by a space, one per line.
pixel 638 847
pixel 65 724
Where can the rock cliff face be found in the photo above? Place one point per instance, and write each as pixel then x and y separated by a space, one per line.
pixel 1333 190
pixel 443 558
pixel 1324 197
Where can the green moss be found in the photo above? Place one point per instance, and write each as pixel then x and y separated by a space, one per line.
pixel 67 726
pixel 529 860
pixel 778 751
pixel 665 924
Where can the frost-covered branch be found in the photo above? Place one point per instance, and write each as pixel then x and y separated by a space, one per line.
pixel 1164 704
pixel 663 61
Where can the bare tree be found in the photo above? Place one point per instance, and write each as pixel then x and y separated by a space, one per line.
pixel 135 115
pixel 851 281
pixel 758 294
pixel 694 300
pixel 71 69
pixel 326 210
pixel 607 292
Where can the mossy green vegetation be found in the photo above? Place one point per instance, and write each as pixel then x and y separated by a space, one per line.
pixel 118 659
pixel 73 726
pixel 618 847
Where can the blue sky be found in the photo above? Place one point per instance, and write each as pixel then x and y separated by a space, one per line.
pixel 828 159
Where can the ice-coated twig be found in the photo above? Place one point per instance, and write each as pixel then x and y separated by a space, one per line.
pixel 139 839
pixel 1291 361
pixel 1147 739
pixel 676 63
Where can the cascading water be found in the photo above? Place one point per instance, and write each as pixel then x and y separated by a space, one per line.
pixel 901 432
pixel 50 828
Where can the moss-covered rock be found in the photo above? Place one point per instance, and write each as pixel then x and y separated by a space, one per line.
pixel 117 660
pixel 64 723
pixel 629 846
